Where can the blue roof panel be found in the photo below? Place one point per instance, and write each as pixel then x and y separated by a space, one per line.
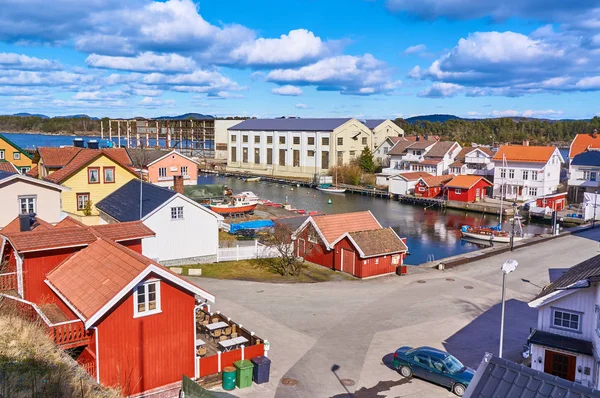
pixel 5 174
pixel 294 124
pixel 124 204
pixel 588 158
pixel 372 123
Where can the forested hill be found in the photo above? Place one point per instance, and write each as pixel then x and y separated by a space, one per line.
pixel 512 130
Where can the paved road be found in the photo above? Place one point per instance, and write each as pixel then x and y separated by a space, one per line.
pixel 357 324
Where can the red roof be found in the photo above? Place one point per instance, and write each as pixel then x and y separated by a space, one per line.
pixel 466 181
pixel 15 226
pixel 332 226
pixel 93 276
pixel 437 181
pixel 582 142
pixel 123 231
pixel 519 153
pixel 414 176
pixel 8 167
pixel 86 156
pixel 57 157
pixel 33 172
pixel 378 242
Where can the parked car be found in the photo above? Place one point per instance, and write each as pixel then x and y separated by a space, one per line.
pixel 433 365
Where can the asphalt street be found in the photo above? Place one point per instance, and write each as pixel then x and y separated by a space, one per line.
pixel 335 339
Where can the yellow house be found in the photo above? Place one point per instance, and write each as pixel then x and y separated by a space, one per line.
pixel 92 175
pixel 12 153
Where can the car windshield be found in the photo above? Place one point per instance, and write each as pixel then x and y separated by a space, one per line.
pixel 452 364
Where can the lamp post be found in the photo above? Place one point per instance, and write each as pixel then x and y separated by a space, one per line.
pixel 512 235
pixel 508 267
pixel 595 201
pixel 141 171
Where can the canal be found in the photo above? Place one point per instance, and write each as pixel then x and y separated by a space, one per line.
pixel 431 234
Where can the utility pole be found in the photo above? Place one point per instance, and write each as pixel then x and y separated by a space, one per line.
pixel 508 267
pixel 595 202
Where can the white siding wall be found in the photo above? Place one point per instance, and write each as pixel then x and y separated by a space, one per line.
pixel 195 236
pixel 582 301
pixel 398 186
pixel 583 361
pixel 47 201
pixel 547 178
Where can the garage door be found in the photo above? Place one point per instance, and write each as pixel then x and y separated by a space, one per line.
pixel 348 261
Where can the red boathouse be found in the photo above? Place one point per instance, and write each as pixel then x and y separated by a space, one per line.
pixel 354 243
pixel 467 188
pixel 431 187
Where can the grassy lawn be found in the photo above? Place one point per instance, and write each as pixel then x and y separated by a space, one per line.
pixel 263 271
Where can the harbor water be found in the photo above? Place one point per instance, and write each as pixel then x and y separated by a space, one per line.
pixel 431 233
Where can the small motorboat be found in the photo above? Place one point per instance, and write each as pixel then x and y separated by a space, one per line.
pixel 492 234
pixel 252 179
pixel 250 196
pixel 330 188
pixel 239 204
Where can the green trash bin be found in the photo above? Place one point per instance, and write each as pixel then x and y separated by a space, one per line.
pixel 244 373
pixel 229 374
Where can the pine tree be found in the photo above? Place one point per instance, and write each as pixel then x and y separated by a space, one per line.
pixel 365 161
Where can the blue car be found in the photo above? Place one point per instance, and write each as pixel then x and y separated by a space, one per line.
pixel 433 365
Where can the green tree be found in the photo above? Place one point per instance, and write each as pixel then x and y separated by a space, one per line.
pixel 366 162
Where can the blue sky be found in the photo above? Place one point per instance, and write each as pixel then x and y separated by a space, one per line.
pixel 307 58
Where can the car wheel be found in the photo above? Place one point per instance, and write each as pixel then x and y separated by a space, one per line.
pixel 405 371
pixel 458 389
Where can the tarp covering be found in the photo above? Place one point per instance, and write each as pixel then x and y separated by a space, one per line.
pixel 204 191
pixel 256 224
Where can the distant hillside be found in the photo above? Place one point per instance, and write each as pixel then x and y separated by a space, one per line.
pixel 432 118
pixel 80 116
pixel 187 116
pixel 30 114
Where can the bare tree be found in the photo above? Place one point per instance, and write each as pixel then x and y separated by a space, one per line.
pixel 291 254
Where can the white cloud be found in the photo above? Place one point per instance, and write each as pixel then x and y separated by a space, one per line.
pixel 99 95
pixel 224 95
pixel 416 49
pixel 149 102
pixel 144 62
pixel 525 113
pixel 28 78
pixel 302 106
pixel 345 73
pixel 287 90
pixel 442 90
pixel 25 62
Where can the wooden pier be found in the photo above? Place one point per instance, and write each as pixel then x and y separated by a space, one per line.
pixel 419 200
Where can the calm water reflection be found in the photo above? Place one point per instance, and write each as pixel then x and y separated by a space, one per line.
pixel 430 232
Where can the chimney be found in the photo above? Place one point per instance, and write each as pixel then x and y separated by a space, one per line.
pixel 78 143
pixel 426 137
pixel 26 221
pixel 595 133
pixel 525 142
pixel 418 138
pixel 178 184
pixel 93 144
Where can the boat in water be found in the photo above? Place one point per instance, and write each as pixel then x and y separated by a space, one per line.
pixel 251 196
pixel 252 179
pixel 239 204
pixel 330 188
pixel 491 234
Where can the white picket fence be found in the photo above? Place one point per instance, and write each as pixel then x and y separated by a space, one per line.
pixel 246 252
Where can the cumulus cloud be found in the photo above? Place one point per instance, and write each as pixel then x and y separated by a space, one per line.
pixel 442 90
pixel 144 62
pixel 224 95
pixel 416 49
pixel 30 78
pixel 357 75
pixel 287 90
pixel 24 62
pixel 153 103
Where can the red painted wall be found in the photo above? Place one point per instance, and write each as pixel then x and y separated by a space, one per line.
pixel 134 244
pixel 557 203
pixel 364 268
pixel 428 192
pixel 468 195
pixel 143 353
pixel 317 252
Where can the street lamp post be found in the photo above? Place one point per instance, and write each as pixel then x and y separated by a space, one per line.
pixel 508 267
pixel 595 200
pixel 512 235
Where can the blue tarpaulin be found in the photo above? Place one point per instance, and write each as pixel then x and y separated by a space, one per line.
pixel 256 224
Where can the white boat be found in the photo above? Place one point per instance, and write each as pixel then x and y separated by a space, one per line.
pixel 251 196
pixel 491 237
pixel 252 179
pixel 331 189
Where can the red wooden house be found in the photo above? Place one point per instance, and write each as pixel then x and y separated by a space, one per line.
pixel 467 188
pixel 556 202
pixel 431 187
pixel 128 321
pixel 350 242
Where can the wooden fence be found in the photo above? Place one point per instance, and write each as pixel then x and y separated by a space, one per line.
pixel 237 253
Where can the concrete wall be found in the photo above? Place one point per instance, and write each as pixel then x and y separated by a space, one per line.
pixel 47 201
pixel 221 137
pixel 386 129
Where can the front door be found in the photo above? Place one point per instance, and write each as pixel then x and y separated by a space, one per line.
pixel 348 261
pixel 559 364
pixel 301 247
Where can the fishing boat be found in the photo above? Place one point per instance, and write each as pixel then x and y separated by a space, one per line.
pixel 491 234
pixel 238 204
pixel 252 179
pixel 250 196
pixel 331 188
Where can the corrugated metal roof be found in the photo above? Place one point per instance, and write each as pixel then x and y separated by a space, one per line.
pixel 124 203
pixel 372 123
pixel 498 377
pixel 583 271
pixel 289 124
pixel 588 158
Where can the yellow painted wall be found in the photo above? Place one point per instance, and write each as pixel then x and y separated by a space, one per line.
pixel 8 154
pixel 79 184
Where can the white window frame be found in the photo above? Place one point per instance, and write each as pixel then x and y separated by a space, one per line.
pixel 16 155
pixel 534 174
pixel 533 191
pixel 2 154
pixel 160 173
pixel 27 197
pixel 24 169
pixel 146 312
pixel 77 196
pixel 457 191
pixel 176 213
pixel 502 173
pixel 525 174
pixel 511 173
pixel 184 171
pixel 570 313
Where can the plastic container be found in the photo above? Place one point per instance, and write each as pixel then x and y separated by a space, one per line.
pixel 262 366
pixel 244 373
pixel 229 378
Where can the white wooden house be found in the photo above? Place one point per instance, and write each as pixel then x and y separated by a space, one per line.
pixel 186 232
pixel 566 342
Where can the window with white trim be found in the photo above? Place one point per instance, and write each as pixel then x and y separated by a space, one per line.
pixel 532 191
pixel 568 320
pixel 27 204
pixel 2 154
pixel 534 174
pixel 502 173
pixel 525 174
pixel 457 191
pixel 162 171
pixel 16 155
pixel 177 213
pixel 146 298
pixel 25 169
pixel 184 170
pixel 511 173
